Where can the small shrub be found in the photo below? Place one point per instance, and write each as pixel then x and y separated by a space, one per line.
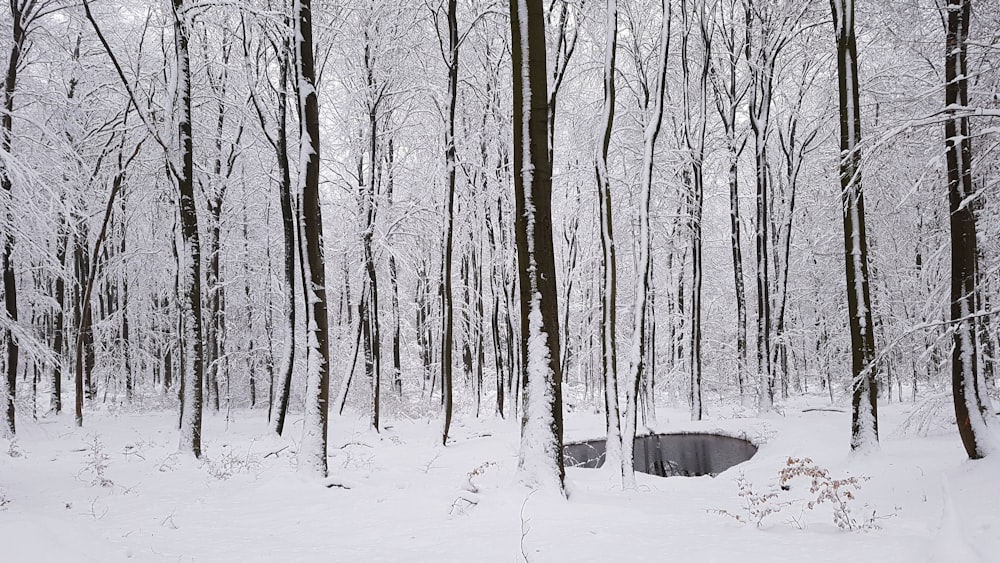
pixel 229 464
pixel 837 492
pixel 823 488
pixel 756 505
pixel 97 464
pixel 13 450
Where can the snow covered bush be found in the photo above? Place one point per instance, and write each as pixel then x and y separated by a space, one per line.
pixel 756 505
pixel 837 492
pixel 229 464
pixel 12 449
pixel 96 465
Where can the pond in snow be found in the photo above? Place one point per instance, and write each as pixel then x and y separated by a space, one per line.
pixel 669 455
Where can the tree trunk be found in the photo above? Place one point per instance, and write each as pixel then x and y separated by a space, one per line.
pixel 728 97
pixel 969 408
pixel 190 273
pixel 864 420
pixel 694 136
pixel 312 451
pixel 637 348
pixel 609 273
pixel 540 462
pixel 284 376
pixel 447 314
pixel 59 328
pixel 18 16
pixel 762 70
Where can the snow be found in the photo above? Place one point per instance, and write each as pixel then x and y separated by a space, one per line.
pixel 537 464
pixel 400 496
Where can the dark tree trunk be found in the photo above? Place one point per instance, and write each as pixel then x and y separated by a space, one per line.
pixel 59 323
pixel 19 27
pixel 125 335
pixel 969 407
pixel 284 375
pixel 312 452
pixel 728 97
pixel 694 136
pixel 397 369
pixel 864 420
pixel 373 339
pixel 540 460
pixel 447 315
pixel 190 273
pixel 609 269
pixel 761 91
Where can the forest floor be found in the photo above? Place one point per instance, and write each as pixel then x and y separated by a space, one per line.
pixel 117 490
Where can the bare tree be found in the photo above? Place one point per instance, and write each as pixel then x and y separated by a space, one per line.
pixel 312 452
pixel 970 412
pixel 643 274
pixel 540 460
pixel 864 420
pixel 24 16
pixel 609 274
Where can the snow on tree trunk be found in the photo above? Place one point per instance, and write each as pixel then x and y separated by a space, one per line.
pixel 280 396
pixel 447 308
pixel 7 233
pixel 609 275
pixel 540 461
pixel 636 350
pixel 864 420
pixel 312 449
pixel 190 272
pixel 693 133
pixel 970 412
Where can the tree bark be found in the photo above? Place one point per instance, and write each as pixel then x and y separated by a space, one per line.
pixel 969 407
pixel 19 28
pixel 609 273
pixel 864 419
pixel 312 451
pixel 642 277
pixel 447 313
pixel 190 274
pixel 540 462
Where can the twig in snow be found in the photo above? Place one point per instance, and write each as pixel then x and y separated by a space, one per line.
pixel 525 525
pixel 275 452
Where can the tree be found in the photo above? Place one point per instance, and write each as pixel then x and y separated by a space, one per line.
pixel 190 276
pixel 447 308
pixel 637 354
pixel 773 30
pixel 609 275
pixel 180 168
pixel 24 16
pixel 280 46
pixel 693 132
pixel 864 417
pixel 970 412
pixel 729 94
pixel 540 461
pixel 312 451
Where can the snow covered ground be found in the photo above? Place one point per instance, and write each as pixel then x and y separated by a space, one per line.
pixel 117 490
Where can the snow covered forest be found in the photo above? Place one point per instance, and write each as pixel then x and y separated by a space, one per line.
pixel 314 280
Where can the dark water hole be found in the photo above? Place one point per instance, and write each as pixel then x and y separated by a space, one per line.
pixel 669 455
